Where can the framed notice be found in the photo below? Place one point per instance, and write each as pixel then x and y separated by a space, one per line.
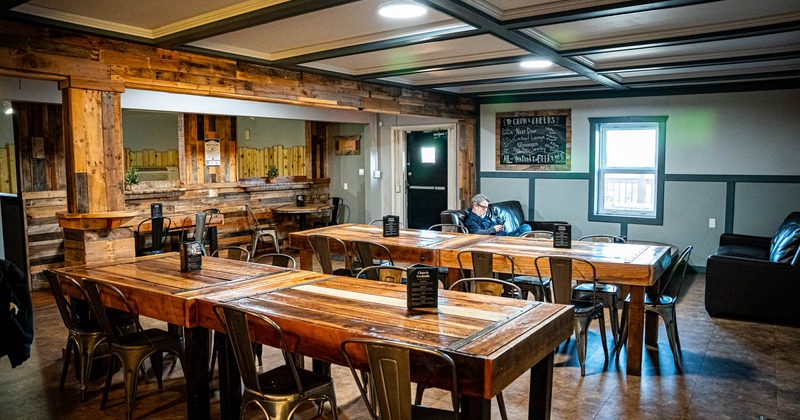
pixel 212 152
pixel 534 140
pixel 422 287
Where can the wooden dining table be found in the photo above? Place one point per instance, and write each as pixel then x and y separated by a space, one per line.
pixel 493 340
pixel 302 211
pixel 637 266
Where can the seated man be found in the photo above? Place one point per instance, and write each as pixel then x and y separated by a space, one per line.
pixel 479 221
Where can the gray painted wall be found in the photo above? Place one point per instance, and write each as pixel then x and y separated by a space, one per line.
pixel 344 170
pixel 6 129
pixel 267 132
pixel 710 139
pixel 149 130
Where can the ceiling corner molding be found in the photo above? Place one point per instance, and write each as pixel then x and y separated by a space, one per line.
pixel 104 25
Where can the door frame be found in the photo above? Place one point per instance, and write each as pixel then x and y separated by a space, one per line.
pixel 398 176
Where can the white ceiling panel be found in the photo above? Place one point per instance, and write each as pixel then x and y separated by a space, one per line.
pixel 475 74
pixel 517 9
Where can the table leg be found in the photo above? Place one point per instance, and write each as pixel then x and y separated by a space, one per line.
pixel 475 408
pixel 302 221
pixel 635 331
pixel 230 385
pixel 196 372
pixel 541 390
pixel 306 260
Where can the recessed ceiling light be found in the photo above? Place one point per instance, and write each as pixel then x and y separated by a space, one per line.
pixel 535 64
pixel 401 9
pixel 7 109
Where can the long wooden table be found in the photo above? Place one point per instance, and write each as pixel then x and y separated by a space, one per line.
pixel 493 340
pixel 637 266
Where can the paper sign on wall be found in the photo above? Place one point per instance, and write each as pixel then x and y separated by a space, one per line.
pixel 212 152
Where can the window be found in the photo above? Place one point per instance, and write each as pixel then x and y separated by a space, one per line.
pixel 627 166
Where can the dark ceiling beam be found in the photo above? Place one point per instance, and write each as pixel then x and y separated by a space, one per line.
pixel 477 19
pixel 703 62
pixel 773 75
pixel 405 41
pixel 488 81
pixel 442 67
pixel 687 39
pixel 606 10
pixel 247 20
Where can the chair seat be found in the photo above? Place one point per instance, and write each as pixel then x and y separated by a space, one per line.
pixel 601 288
pixel 585 308
pixel 663 300
pixel 279 382
pixel 532 280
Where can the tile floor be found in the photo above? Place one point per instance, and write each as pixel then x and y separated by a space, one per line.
pixel 733 370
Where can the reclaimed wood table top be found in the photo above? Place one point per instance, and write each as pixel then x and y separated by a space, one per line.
pixel 308 208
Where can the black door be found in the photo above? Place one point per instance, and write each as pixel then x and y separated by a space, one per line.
pixel 426 177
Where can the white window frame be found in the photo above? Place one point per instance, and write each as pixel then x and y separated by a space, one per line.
pixel 598 128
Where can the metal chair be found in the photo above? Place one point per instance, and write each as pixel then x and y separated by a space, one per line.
pixel 385 273
pixel 279 391
pixel 540 287
pixel 663 305
pixel 131 349
pixel 277 259
pixel 323 247
pixel 483 265
pixel 449 227
pixel 370 253
pixel 561 273
pixel 613 239
pixel 232 253
pixel 260 231
pixel 390 365
pixel 335 213
pixel 606 293
pixel 159 233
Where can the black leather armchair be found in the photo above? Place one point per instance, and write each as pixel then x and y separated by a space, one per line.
pixel 510 212
pixel 756 277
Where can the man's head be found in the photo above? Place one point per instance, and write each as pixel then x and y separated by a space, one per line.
pixel 480 205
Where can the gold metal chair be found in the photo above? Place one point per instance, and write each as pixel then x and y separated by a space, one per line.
pixel 370 253
pixel 261 231
pixel 390 365
pixel 324 248
pixel 232 253
pixel 384 273
pixel 279 391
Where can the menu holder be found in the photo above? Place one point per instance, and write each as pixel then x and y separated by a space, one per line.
pixel 300 200
pixel 562 235
pixel 156 210
pixel 391 226
pixel 191 256
pixel 422 287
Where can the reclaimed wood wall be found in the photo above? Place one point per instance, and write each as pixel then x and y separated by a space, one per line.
pixel 41 151
pixel 151 158
pixel 8 169
pixel 256 162
pixel 196 129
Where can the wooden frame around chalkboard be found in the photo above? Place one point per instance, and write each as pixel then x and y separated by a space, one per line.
pixel 541 137
pixel 349 145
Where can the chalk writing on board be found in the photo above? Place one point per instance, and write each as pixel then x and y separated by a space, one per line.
pixel 534 139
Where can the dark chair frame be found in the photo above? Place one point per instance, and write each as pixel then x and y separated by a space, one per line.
pixel 159 234
pixel 277 259
pixel 227 249
pixel 321 245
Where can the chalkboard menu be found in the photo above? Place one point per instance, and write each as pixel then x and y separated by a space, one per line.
pixel 391 226
pixel 562 235
pixel 422 287
pixel 534 140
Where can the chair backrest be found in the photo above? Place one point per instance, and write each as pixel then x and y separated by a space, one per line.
pixel 483 263
pixel 679 265
pixel 251 218
pixel 538 234
pixel 613 239
pixel 455 217
pixel 487 286
pixel 376 222
pixel 232 253
pixel 385 273
pixel 449 227
pixel 337 204
pixel 390 365
pixel 236 321
pixel 367 253
pixel 94 289
pixel 277 259
pixel 565 269
pixel 321 244
pixel 159 232
pixel 68 314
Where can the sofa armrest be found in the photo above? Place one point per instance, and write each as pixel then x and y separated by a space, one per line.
pixel 548 225
pixel 762 242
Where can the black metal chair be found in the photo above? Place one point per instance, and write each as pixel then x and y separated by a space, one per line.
pixel 540 287
pixel 158 235
pixel 277 259
pixel 325 247
pixel 561 273
pixel 390 365
pixel 232 253
pixel 663 304
pixel 370 253
pixel 131 349
pixel 261 231
pixel 606 293
pixel 279 391
pixel 335 213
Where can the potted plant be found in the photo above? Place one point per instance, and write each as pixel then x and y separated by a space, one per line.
pixel 272 173
pixel 131 178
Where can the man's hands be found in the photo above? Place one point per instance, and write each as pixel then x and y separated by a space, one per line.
pixel 498 228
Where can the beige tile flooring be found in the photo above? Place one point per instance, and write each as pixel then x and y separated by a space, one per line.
pixel 733 369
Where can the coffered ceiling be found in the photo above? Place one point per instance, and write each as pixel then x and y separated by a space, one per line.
pixel 599 48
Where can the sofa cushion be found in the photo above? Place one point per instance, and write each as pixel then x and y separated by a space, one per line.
pixel 786 241
pixel 509 213
pixel 743 251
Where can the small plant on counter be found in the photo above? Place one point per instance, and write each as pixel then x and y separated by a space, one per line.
pixel 131 178
pixel 272 172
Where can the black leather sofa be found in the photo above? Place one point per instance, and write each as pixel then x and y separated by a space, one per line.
pixel 757 277
pixel 508 211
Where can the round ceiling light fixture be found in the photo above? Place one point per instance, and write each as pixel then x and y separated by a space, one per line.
pixel 536 64
pixel 401 9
